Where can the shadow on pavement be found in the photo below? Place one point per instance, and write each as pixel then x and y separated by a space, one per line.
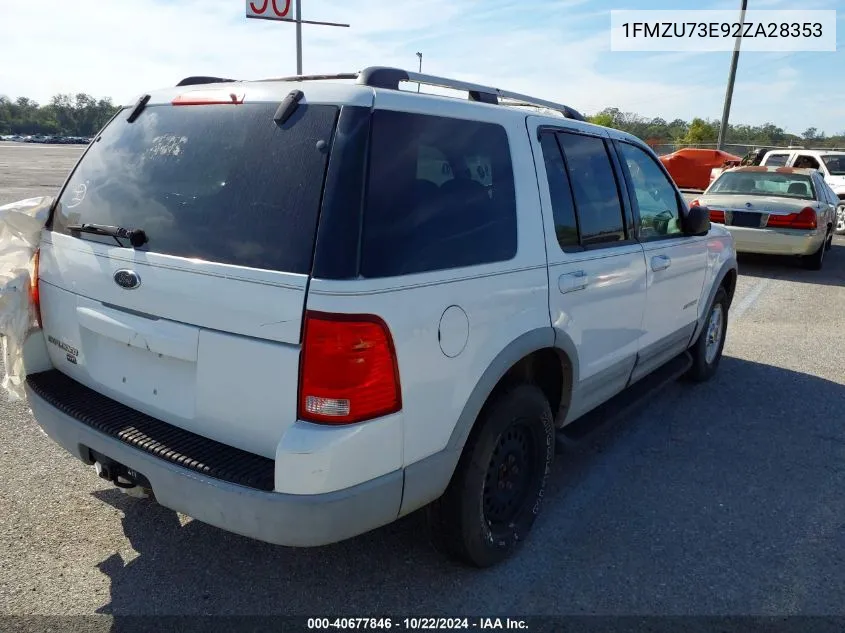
pixel 763 441
pixel 791 269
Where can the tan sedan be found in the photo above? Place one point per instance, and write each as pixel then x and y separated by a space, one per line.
pixel 774 211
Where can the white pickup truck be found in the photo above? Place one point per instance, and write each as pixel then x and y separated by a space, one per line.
pixel 831 164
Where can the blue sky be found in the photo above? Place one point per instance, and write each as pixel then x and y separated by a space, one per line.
pixel 556 49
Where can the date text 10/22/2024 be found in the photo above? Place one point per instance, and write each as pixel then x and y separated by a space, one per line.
pixel 417 623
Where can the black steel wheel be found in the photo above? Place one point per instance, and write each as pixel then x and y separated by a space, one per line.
pixel 496 492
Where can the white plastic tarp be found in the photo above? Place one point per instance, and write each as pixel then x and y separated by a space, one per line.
pixel 20 232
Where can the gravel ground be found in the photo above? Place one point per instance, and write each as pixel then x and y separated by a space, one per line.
pixel 717 499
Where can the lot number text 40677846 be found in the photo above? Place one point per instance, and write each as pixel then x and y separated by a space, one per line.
pixel 418 623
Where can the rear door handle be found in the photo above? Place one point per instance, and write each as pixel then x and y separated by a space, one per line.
pixel 570 282
pixel 660 262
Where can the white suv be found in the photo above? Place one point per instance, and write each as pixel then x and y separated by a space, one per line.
pixel 299 309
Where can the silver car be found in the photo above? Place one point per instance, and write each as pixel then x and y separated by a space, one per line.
pixel 774 211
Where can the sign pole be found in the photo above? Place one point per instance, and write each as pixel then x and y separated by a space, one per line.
pixel 280 11
pixel 298 37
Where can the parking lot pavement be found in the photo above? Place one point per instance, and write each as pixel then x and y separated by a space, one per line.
pixel 28 170
pixel 721 498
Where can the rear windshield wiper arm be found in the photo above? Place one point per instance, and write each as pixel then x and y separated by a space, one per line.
pixel 136 237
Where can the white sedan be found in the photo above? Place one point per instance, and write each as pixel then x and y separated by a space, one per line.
pixel 774 211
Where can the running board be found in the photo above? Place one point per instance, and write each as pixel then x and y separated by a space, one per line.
pixel 624 403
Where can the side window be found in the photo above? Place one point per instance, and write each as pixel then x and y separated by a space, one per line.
pixel 828 193
pixel 440 194
pixel 806 162
pixel 821 190
pixel 593 188
pixel 777 160
pixel 563 208
pixel 654 193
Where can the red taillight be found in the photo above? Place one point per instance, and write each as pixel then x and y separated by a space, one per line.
pixel 715 214
pixel 34 295
pixel 208 97
pixel 806 219
pixel 348 371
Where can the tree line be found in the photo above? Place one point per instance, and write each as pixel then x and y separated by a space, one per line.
pixel 65 115
pixel 83 115
pixel 699 131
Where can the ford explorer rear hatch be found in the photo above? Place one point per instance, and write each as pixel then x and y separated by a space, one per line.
pixel 199 325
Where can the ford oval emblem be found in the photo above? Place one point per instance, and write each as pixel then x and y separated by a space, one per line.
pixel 128 279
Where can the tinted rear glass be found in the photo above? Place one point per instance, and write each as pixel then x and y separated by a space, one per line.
pixel 440 194
pixel 777 160
pixel 563 207
pixel 594 188
pixel 222 183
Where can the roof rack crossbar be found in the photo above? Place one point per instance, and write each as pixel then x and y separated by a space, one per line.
pixel 489 94
pixel 390 78
pixel 486 94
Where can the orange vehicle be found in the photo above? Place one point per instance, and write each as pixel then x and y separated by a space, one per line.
pixel 691 168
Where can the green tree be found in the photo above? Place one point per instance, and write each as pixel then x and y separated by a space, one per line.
pixel 602 118
pixel 700 132
pixel 77 115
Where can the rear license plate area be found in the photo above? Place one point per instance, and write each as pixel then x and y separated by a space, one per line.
pixel 745 219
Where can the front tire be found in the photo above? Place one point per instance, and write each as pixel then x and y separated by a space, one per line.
pixel 497 490
pixel 707 351
pixel 839 229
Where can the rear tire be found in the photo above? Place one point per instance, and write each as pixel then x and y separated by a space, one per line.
pixel 496 492
pixel 707 351
pixel 816 260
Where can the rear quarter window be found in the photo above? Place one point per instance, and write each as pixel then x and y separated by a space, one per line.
pixel 221 183
pixel 776 160
pixel 440 195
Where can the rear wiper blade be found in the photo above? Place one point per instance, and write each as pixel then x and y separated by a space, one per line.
pixel 136 237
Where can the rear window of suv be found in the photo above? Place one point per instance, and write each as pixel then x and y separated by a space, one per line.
pixel 440 195
pixel 221 183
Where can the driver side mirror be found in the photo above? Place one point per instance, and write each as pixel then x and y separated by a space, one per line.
pixel 697 221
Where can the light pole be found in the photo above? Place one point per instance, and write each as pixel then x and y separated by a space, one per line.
pixel 726 111
pixel 420 56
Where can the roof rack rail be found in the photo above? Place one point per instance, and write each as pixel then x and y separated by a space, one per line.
pixel 193 81
pixel 390 78
pixel 314 77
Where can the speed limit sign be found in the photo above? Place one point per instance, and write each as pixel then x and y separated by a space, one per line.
pixel 270 9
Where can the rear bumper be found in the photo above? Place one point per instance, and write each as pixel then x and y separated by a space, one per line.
pixel 282 519
pixel 776 241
